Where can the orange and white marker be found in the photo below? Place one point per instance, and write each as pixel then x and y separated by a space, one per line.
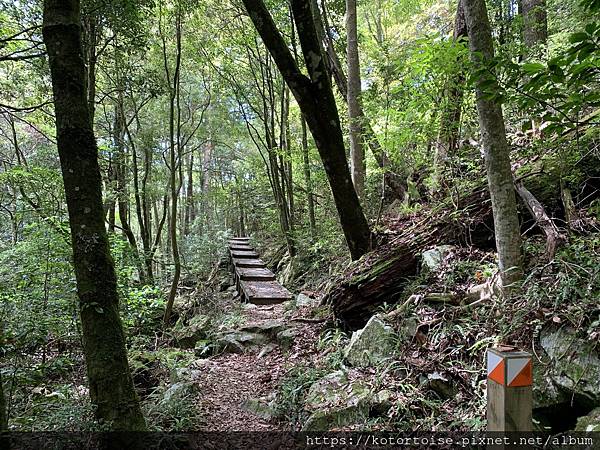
pixel 508 367
pixel 509 390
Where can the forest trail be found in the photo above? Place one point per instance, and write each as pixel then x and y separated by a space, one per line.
pixel 228 381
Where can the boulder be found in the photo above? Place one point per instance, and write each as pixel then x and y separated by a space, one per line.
pixel 336 401
pixel 589 423
pixel 186 336
pixel 263 407
pixel 184 374
pixel 239 341
pixel 179 391
pixel 574 365
pixel 370 345
pixel 433 258
pixel 303 300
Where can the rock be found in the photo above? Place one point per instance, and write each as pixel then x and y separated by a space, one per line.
pixel 231 289
pixel 335 401
pixel 433 258
pixel 201 363
pixel 575 364
pixel 303 300
pixel 371 345
pixel 239 341
pixel 269 328
pixel 440 384
pixel 178 391
pixel 266 350
pixel 263 407
pixel 286 338
pixel 588 423
pixel 184 374
pixel 186 336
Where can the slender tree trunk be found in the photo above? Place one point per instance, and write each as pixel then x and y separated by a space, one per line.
pixel 307 179
pixel 495 146
pixel 174 161
pixel 317 102
pixel 447 140
pixel 189 196
pixel 110 383
pixel 3 411
pixel 141 207
pixel 3 404
pixel 355 116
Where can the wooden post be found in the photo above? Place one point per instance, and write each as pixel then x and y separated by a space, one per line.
pixel 509 392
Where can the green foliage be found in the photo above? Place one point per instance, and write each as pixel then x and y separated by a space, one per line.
pixel 292 392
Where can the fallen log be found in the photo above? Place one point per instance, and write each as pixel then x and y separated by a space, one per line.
pixel 380 276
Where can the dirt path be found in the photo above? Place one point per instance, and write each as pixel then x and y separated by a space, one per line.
pixel 229 380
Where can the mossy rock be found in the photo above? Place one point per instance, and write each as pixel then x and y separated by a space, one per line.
pixel 589 423
pixel 370 345
pixel 574 364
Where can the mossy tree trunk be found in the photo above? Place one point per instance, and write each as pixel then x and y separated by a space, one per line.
pixel 110 383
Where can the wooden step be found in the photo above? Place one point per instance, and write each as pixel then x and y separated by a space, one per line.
pixel 240 247
pixel 264 292
pixel 254 274
pixel 245 262
pixel 244 254
pixel 239 239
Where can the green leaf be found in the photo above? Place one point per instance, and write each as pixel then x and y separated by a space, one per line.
pixel 578 37
pixel 533 67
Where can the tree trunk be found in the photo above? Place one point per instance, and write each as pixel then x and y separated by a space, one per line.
pixel 174 161
pixel 535 23
pixel 110 383
pixel 189 196
pixel 355 117
pixel 315 98
pixel 307 179
pixel 495 147
pixel 3 411
pixel 447 140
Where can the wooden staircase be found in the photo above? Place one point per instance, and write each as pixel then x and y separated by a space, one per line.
pixel 255 283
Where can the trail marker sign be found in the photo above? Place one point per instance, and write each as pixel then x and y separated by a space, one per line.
pixel 509 380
